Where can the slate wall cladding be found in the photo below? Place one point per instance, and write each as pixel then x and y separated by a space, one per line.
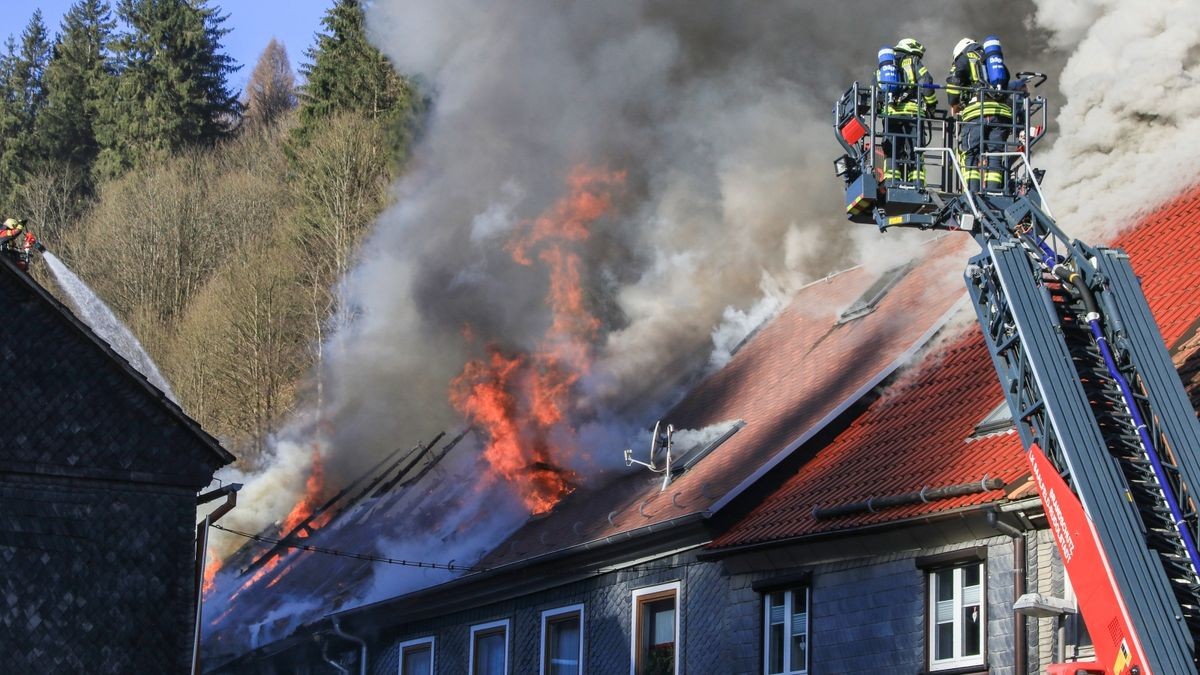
pixel 607 600
pixel 96 579
pixel 867 615
pixel 81 412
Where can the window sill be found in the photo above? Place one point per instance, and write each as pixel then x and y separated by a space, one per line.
pixel 960 670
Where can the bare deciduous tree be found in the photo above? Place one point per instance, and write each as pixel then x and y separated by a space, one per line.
pixel 271 92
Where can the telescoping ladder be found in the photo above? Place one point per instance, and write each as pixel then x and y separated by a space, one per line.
pixel 1110 435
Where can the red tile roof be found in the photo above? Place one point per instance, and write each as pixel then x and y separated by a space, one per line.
pixel 785 383
pixel 916 434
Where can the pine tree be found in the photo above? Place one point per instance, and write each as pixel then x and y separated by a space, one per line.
pixel 171 89
pixel 79 80
pixel 271 91
pixel 347 73
pixel 22 86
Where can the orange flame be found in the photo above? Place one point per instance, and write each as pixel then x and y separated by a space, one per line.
pixel 520 401
pixel 315 493
pixel 211 567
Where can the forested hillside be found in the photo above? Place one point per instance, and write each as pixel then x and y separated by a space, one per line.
pixel 215 223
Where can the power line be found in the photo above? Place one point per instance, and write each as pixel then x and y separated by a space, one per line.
pixel 348 554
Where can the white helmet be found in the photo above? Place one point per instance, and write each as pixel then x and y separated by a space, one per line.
pixel 962 46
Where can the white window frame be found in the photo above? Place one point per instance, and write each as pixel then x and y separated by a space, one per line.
pixel 551 614
pixel 639 593
pixel 931 616
pixel 428 640
pixel 789 610
pixel 507 624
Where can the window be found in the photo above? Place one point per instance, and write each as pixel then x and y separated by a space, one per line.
pixel 416 657
pixel 655 636
pixel 956 616
pixel 489 648
pixel 562 641
pixel 997 421
pixel 867 302
pixel 785 618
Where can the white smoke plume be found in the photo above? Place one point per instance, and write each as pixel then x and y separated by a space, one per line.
pixel 1129 131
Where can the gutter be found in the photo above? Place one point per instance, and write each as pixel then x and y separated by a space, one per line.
pixel 595 544
pixel 950 514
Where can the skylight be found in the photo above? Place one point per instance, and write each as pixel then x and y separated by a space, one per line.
pixel 997 421
pixel 866 303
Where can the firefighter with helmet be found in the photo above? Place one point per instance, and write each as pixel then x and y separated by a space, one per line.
pixel 910 96
pixel 17 243
pixel 984 113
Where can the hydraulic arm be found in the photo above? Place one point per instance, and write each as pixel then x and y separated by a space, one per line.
pixel 1110 435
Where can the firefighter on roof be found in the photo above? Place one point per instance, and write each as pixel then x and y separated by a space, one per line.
pixel 17 243
pixel 907 85
pixel 974 89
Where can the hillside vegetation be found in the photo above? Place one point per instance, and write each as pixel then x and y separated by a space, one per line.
pixel 215 225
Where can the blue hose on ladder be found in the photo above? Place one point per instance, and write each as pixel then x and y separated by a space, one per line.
pixel 1189 543
pixel 1054 263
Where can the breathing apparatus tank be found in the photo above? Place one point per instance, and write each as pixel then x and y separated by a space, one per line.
pixel 997 72
pixel 889 76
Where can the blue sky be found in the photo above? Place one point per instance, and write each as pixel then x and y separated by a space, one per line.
pixel 253 24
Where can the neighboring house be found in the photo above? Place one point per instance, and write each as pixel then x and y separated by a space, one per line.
pixel 98 480
pixel 872 513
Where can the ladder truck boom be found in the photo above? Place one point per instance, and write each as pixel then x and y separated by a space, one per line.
pixel 1111 439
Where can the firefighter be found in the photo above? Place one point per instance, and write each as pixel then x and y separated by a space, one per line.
pixel 984 114
pixel 18 243
pixel 911 96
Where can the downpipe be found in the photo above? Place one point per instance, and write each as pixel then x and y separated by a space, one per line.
pixel 1073 280
pixel 1020 648
pixel 362 644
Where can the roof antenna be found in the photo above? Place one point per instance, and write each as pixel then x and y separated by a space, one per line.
pixel 660 446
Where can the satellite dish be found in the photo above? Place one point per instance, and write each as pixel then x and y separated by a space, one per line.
pixel 660 444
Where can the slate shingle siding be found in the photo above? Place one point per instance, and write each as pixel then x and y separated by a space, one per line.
pixel 78 410
pixel 95 578
pixel 607 601
pixel 98 481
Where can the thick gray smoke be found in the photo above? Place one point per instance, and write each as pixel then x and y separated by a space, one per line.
pixel 719 115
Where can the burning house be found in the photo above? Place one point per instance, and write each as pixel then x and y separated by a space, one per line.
pixel 99 472
pixel 859 466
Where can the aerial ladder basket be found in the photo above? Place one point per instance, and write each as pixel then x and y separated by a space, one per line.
pixel 1111 438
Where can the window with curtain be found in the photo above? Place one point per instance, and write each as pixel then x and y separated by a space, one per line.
pixel 416 657
pixel 785 619
pixel 562 641
pixel 956 616
pixel 655 632
pixel 489 648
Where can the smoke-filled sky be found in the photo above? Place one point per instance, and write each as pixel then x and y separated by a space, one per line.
pixel 718 112
pixel 719 115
